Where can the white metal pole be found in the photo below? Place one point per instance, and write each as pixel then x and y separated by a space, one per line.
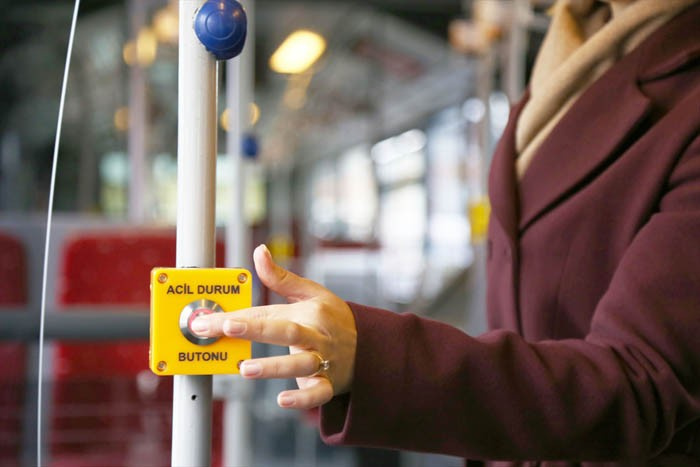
pixel 197 82
pixel 239 95
pixel 139 198
pixel 236 231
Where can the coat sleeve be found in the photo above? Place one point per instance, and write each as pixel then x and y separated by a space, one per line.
pixel 620 393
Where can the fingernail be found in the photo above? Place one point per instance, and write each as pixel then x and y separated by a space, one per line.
pixel 266 250
pixel 234 328
pixel 251 369
pixel 200 325
pixel 286 400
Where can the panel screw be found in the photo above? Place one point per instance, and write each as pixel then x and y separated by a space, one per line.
pixel 243 278
pixel 162 366
pixel 163 278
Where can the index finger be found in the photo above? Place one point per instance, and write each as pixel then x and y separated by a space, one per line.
pixel 267 324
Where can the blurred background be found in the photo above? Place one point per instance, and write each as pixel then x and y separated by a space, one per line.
pixel 364 158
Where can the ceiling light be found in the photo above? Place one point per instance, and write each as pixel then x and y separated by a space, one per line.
pixel 298 52
pixel 121 119
pixel 225 120
pixel 254 113
pixel 146 47
pixel 141 51
pixel 165 24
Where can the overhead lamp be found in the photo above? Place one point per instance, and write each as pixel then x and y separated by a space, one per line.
pixel 121 119
pixel 141 51
pixel 225 118
pixel 254 113
pixel 146 47
pixel 298 52
pixel 165 24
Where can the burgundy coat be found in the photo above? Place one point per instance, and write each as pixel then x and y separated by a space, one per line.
pixel 593 295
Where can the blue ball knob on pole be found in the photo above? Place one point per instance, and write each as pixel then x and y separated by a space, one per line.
pixel 250 146
pixel 221 26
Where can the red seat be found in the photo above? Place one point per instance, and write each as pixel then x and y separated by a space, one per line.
pixel 108 408
pixel 13 292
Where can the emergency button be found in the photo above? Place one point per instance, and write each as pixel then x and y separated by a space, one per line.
pixel 196 314
pixel 191 312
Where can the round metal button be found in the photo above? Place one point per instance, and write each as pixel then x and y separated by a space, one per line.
pixel 190 313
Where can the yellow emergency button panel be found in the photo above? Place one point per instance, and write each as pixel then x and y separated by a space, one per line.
pixel 178 296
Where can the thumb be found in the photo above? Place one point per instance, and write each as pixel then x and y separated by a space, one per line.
pixel 281 281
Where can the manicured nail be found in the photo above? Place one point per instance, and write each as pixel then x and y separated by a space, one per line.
pixel 200 325
pixel 286 400
pixel 234 328
pixel 249 369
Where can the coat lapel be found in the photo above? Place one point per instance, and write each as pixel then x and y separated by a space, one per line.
pixel 588 136
pixel 503 193
pixel 592 133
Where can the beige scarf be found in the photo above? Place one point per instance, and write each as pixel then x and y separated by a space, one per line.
pixel 584 39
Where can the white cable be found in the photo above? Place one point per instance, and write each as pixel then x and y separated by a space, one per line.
pixel 49 217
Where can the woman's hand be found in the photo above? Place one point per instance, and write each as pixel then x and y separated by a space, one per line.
pixel 316 325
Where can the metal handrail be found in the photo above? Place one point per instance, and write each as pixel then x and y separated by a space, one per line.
pixel 115 323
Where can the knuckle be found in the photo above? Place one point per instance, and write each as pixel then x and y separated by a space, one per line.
pixel 274 367
pixel 317 309
pixel 258 328
pixel 258 314
pixel 325 341
pixel 292 332
pixel 282 275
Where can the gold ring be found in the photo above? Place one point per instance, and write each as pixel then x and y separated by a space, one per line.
pixel 323 365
